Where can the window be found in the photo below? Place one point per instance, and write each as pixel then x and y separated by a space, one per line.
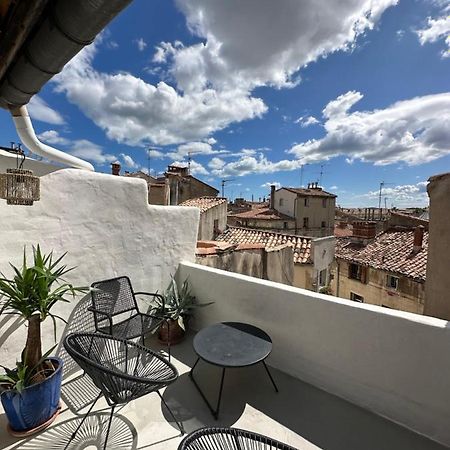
pixel 357 272
pixel 324 203
pixel 285 225
pixel 356 297
pixel 323 278
pixel 306 201
pixel 392 282
pixel 324 224
pixel 305 222
pixel 281 202
pixel 216 230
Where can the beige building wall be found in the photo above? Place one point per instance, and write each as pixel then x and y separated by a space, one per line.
pixel 282 226
pixel 409 297
pixel 438 262
pixel 207 218
pixel 288 203
pixel 316 214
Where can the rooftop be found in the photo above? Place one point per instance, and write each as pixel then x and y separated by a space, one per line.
pixel 315 192
pixel 204 203
pixel 263 213
pixel 391 251
pixel 301 245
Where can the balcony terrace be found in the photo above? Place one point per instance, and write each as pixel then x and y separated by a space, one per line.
pixel 351 376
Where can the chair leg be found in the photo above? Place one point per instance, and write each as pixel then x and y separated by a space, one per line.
pixel 82 421
pixel 179 424
pixel 109 427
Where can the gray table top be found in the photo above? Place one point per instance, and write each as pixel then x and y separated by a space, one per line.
pixel 232 344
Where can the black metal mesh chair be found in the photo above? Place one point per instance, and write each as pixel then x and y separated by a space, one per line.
pixel 116 311
pixel 229 439
pixel 122 370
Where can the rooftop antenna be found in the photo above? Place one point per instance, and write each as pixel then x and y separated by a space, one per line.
pixel 224 181
pixel 301 173
pixel 148 161
pixel 189 163
pixel 382 184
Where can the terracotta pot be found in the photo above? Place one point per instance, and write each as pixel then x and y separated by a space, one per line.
pixel 172 333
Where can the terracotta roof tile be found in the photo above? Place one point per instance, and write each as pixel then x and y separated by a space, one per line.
pixel 263 214
pixel 391 251
pixel 204 203
pixel 309 192
pixel 301 245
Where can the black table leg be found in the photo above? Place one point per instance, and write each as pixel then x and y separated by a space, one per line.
pixel 214 412
pixel 270 376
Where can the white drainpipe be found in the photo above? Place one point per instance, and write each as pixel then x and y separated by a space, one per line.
pixel 28 137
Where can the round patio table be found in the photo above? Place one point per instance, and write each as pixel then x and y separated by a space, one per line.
pixel 231 345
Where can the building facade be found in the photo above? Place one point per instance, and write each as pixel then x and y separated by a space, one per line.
pixel 386 269
pixel 312 257
pixel 213 216
pixel 313 209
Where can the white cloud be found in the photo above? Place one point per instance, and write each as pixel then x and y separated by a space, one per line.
pixel 82 148
pixel 195 167
pixel 53 137
pixel 412 131
pixel 306 121
pixel 402 195
pixel 193 148
pixel 246 165
pixel 242 45
pixel 39 110
pixel 129 161
pixel 216 163
pixel 141 44
pixel 333 188
pixel 274 183
pixel 437 29
pixel 155 154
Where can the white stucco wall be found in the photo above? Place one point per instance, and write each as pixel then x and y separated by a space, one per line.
pixel 393 363
pixel 288 206
pixel 108 229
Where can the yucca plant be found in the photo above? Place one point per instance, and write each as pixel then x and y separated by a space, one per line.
pixel 179 303
pixel 31 294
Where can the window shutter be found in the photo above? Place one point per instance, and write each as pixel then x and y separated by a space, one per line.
pixel 364 274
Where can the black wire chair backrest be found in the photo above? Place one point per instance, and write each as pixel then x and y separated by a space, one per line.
pixel 114 296
pixel 230 439
pixel 123 370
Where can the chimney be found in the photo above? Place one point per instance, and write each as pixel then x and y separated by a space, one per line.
pixel 363 232
pixel 272 196
pixel 115 168
pixel 418 238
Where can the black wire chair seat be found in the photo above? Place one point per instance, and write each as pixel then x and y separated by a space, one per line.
pixel 229 439
pixel 122 370
pixel 132 327
pixel 116 310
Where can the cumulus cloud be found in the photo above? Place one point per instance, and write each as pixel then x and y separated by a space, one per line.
pixel 274 183
pixel 413 131
pixel 193 148
pixel 306 121
pixel 437 29
pixel 246 165
pixel 403 195
pixel 209 85
pixel 141 44
pixel 39 110
pixel 195 167
pixel 82 148
pixel 129 161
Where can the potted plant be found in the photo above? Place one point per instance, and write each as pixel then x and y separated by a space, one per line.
pixel 30 392
pixel 177 306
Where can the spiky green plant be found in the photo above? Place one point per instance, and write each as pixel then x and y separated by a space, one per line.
pixel 31 294
pixel 179 303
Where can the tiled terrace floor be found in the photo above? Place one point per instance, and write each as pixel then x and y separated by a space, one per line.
pixel 301 415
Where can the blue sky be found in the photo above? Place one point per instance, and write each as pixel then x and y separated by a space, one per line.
pixel 254 89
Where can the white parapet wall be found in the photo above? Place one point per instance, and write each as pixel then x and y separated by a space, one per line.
pixel 105 224
pixel 393 363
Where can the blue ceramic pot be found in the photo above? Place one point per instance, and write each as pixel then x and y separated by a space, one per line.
pixel 36 403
